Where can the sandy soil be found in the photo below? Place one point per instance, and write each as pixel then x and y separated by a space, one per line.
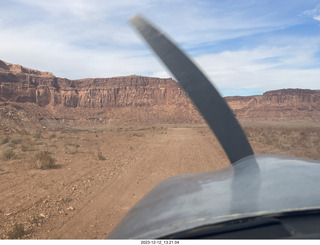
pixel 84 197
pixel 99 175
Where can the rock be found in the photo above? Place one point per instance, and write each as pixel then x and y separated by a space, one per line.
pixel 42 215
pixel 36 96
pixel 21 84
pixel 278 105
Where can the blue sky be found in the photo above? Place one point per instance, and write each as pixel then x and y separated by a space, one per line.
pixel 245 47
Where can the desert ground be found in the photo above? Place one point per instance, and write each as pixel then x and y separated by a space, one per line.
pixel 77 183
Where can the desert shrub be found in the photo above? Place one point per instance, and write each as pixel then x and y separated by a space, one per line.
pixel 8 154
pixel 5 140
pixel 24 147
pixel 28 145
pixel 138 134
pixel 16 232
pixel 37 135
pixel 43 160
pixel 52 136
pixel 300 142
pixel 100 156
pixel 71 148
pixel 16 141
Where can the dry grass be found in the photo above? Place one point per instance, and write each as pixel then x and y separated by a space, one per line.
pixel 52 136
pixel 71 148
pixel 5 140
pixel 43 160
pixel 100 155
pixel 300 142
pixel 24 148
pixel 138 134
pixel 8 154
pixel 16 141
pixel 37 135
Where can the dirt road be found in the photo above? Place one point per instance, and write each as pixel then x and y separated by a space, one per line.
pixel 100 173
pixel 85 197
pixel 158 155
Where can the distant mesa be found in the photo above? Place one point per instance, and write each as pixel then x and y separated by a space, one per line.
pixel 3 66
pixel 135 99
pixel 18 69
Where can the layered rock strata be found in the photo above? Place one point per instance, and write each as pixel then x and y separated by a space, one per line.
pixel 138 99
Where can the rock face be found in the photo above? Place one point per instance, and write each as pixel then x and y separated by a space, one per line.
pixel 284 104
pixel 133 100
pixel 119 100
pixel 20 84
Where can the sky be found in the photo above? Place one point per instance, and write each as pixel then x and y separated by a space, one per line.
pixel 245 47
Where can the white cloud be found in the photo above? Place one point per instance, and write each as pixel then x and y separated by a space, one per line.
pixel 314 13
pixel 79 38
pixel 73 62
pixel 262 68
pixel 83 9
pixel 191 24
pixel 317 17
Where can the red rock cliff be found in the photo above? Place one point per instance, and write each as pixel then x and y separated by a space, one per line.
pixel 20 84
pixel 142 99
pixel 284 104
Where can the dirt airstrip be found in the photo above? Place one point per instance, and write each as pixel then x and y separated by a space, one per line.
pixel 100 173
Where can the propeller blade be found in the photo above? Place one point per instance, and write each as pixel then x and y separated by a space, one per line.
pixel 201 91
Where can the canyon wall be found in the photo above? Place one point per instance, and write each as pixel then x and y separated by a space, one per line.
pixel 138 99
pixel 43 88
pixel 278 105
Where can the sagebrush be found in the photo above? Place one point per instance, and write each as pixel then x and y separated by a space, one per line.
pixel 8 154
pixel 43 160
